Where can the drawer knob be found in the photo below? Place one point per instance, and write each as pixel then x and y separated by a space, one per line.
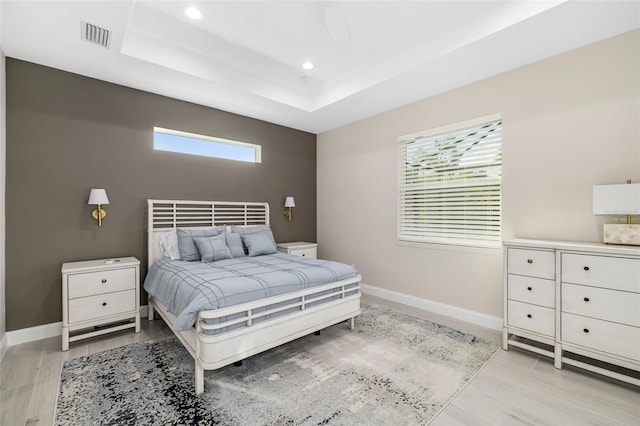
pixel 586 330
pixel 586 268
pixel 303 255
pixel 104 280
pixel 528 315
pixel 586 299
pixel 529 260
pixel 529 288
pixel 104 303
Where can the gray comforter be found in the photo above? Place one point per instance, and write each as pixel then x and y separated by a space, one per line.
pixel 186 288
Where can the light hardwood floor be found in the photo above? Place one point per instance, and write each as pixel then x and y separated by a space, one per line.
pixel 514 388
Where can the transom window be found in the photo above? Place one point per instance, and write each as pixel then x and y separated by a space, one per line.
pixel 450 182
pixel 191 143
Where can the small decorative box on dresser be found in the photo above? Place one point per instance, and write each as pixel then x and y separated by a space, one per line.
pixel 98 296
pixel 300 248
pixel 580 299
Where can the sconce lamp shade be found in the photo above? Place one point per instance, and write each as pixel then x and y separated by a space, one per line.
pixel 98 196
pixel 616 199
pixel 289 202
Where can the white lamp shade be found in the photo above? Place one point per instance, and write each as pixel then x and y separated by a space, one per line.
pixel 98 196
pixel 289 202
pixel 616 199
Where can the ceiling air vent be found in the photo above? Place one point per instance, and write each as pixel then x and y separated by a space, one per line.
pixel 95 34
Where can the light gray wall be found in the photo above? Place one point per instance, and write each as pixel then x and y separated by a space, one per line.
pixel 569 122
pixel 67 134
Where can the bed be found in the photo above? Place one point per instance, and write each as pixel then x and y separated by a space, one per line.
pixel 230 332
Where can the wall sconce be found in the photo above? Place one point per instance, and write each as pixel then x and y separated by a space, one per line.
pixel 288 203
pixel 618 200
pixel 98 197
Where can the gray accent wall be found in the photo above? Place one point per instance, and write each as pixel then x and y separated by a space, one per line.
pixel 67 134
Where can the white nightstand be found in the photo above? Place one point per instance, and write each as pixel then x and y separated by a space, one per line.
pixel 98 295
pixel 300 248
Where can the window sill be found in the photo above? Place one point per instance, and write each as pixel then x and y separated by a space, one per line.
pixel 491 251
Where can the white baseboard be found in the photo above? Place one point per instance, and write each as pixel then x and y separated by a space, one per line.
pixel 30 334
pixel 3 345
pixel 39 332
pixel 478 318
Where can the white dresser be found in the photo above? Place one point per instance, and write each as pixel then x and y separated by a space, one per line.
pixel 299 248
pixel 575 300
pixel 98 297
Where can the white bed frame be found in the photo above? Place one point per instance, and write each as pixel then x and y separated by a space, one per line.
pixel 212 351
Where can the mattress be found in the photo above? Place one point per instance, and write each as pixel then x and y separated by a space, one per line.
pixel 187 288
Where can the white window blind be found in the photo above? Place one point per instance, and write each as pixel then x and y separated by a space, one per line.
pixel 450 184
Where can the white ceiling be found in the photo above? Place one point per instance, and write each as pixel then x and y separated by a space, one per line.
pixel 246 56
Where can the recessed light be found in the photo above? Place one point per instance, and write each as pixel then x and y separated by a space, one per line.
pixel 193 13
pixel 307 65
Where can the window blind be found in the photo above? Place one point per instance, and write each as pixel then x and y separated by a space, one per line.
pixel 450 184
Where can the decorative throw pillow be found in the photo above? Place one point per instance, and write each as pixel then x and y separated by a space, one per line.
pixel 213 248
pixel 234 242
pixel 259 243
pixel 186 245
pixel 249 230
pixel 169 244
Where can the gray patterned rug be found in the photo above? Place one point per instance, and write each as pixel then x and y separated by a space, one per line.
pixel 393 369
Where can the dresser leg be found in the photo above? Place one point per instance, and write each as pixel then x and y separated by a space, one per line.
pixel 65 339
pixel 505 339
pixel 557 356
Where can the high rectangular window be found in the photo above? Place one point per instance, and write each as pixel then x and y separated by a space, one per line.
pixel 191 143
pixel 450 181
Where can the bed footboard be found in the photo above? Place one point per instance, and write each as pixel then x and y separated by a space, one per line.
pixel 315 308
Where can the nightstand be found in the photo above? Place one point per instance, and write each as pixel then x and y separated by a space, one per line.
pixel 98 297
pixel 300 248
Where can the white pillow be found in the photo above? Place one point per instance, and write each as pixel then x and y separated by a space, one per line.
pixel 169 244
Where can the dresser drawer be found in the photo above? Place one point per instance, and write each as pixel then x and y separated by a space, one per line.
pixel 103 305
pixel 532 263
pixel 601 271
pixel 618 339
pixel 311 253
pixel 107 281
pixel 531 317
pixel 531 290
pixel 610 305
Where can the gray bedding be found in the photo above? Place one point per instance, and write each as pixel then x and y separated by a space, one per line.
pixel 186 288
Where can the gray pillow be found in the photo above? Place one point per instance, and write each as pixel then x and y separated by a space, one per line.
pixel 234 242
pixel 259 244
pixel 186 245
pixel 250 230
pixel 213 248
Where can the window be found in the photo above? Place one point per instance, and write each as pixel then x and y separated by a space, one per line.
pixel 450 184
pixel 190 143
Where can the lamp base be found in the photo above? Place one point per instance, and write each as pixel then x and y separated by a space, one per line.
pixel 622 234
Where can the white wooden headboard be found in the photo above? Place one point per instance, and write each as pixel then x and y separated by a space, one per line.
pixel 166 215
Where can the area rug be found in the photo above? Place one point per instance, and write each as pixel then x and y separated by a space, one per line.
pixel 392 369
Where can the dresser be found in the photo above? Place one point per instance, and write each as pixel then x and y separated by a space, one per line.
pixel 578 303
pixel 98 297
pixel 300 248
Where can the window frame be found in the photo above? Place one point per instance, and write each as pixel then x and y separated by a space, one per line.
pixel 490 247
pixel 257 148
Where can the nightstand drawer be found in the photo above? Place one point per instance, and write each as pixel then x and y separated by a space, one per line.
pixel 610 305
pixel 532 263
pixel 311 253
pixel 605 336
pixel 601 271
pixel 532 290
pixel 103 305
pixel 107 281
pixel 531 317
